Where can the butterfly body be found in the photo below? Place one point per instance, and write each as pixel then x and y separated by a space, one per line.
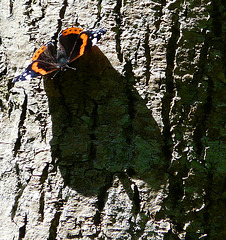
pixel 62 60
pixel 73 43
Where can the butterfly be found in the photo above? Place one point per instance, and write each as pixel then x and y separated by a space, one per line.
pixel 73 43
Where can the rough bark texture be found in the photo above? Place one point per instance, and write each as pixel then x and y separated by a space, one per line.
pixel 129 146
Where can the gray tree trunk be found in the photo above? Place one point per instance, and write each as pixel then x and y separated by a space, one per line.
pixel 131 145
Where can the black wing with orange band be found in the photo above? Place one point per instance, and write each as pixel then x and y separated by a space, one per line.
pixel 68 41
pixel 74 41
pixel 43 62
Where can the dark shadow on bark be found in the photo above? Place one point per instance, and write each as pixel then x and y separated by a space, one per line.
pixel 102 128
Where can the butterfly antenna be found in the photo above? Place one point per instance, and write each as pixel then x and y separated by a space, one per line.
pixel 71 68
pixel 55 74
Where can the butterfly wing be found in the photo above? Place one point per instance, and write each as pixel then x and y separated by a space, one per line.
pixel 68 38
pixel 44 61
pixel 27 74
pixel 74 42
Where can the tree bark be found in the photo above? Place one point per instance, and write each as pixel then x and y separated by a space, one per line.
pixel 131 145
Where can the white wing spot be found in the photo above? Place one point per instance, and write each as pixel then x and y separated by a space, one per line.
pixel 94 41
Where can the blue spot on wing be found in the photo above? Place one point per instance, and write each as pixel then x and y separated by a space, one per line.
pixel 27 74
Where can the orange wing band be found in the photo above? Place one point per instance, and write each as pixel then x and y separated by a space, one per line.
pixel 71 30
pixel 38 53
pixel 38 70
pixel 84 38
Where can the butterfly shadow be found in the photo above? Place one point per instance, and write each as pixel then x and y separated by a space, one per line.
pixel 102 128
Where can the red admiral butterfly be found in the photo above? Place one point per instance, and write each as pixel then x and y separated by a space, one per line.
pixel 73 43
